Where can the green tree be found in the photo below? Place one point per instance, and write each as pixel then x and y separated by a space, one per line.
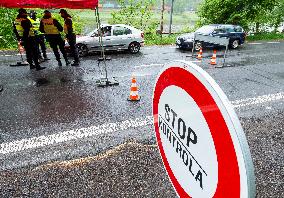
pixel 242 12
pixel 136 13
pixel 7 37
pixel 276 16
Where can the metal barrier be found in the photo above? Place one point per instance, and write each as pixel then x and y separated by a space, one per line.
pixel 223 41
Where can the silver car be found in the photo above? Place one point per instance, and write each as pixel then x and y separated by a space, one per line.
pixel 115 37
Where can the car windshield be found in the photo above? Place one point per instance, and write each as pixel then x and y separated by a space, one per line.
pixel 92 32
pixel 208 29
pixel 106 32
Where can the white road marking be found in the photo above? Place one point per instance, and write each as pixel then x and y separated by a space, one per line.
pixel 7 55
pixel 76 134
pixel 196 61
pixel 273 42
pixel 24 54
pixel 134 75
pixel 150 65
pixel 42 141
pixel 255 43
pixel 258 100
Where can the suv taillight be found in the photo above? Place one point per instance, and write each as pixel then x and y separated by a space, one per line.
pixel 142 34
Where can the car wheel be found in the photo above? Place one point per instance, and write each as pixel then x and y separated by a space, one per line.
pixel 235 44
pixel 134 47
pixel 197 46
pixel 82 50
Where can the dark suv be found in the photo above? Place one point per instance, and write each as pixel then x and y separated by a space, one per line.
pixel 235 33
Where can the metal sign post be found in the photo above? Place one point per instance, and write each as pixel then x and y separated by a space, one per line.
pixel 171 17
pixel 200 138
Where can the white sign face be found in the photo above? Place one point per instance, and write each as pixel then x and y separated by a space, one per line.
pixel 200 138
pixel 212 39
pixel 180 123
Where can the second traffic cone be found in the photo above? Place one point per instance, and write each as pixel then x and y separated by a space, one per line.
pixel 134 91
pixel 199 57
pixel 213 59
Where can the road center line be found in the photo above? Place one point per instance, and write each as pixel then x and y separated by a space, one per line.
pixel 150 65
pixel 255 43
pixel 107 128
pixel 258 100
pixel 42 141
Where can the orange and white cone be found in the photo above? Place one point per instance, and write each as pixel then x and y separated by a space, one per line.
pixel 21 48
pixel 134 91
pixel 199 57
pixel 213 59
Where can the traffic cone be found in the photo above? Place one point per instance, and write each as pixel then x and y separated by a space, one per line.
pixel 134 91
pixel 21 48
pixel 199 57
pixel 213 59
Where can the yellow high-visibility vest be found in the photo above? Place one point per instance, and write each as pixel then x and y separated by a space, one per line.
pixel 36 24
pixel 20 29
pixel 49 27
pixel 66 29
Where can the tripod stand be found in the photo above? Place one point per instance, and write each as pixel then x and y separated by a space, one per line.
pixel 103 81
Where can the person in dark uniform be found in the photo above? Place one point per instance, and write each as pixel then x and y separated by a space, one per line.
pixel 25 35
pixel 52 28
pixel 38 35
pixel 70 35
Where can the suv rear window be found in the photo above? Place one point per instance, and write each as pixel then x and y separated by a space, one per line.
pixel 238 29
pixel 230 29
pixel 219 30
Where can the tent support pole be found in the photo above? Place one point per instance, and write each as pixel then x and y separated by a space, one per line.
pixel 103 82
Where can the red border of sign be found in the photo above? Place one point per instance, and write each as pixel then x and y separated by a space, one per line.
pixel 228 170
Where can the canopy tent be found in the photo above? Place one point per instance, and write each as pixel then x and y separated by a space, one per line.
pixel 72 4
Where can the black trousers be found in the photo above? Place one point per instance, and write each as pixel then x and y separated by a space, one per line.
pixel 30 46
pixel 41 45
pixel 55 42
pixel 71 38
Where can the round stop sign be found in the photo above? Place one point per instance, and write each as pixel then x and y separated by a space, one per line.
pixel 201 141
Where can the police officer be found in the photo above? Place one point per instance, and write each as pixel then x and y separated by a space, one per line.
pixel 38 35
pixel 52 28
pixel 26 36
pixel 70 35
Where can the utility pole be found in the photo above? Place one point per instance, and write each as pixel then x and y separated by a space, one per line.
pixel 162 17
pixel 171 17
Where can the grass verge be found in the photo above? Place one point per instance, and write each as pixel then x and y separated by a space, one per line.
pixel 155 39
pixel 266 36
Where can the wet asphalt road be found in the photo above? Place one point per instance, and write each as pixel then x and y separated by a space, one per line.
pixel 55 99
pixel 60 99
